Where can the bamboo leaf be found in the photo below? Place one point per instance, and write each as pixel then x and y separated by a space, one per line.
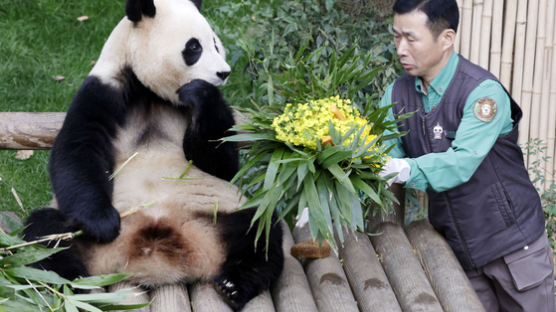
pixel 36 275
pixel 100 280
pixel 83 305
pixel 29 256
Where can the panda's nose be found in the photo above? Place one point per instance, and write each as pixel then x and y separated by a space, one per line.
pixel 223 74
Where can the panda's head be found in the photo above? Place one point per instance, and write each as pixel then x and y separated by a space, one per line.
pixel 169 43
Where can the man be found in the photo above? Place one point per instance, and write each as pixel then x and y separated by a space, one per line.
pixel 462 149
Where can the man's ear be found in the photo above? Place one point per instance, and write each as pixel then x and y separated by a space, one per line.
pixel 448 37
pixel 136 9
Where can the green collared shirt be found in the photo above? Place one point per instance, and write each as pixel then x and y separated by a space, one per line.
pixel 474 138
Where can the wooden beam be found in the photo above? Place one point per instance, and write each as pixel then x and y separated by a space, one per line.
pixel 443 269
pixel 327 279
pixel 403 269
pixel 369 283
pixel 292 293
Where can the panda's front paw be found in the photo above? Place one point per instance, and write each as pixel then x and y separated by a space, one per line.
pixel 196 93
pixel 102 226
pixel 235 297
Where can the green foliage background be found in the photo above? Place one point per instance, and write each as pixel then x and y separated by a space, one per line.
pixel 42 38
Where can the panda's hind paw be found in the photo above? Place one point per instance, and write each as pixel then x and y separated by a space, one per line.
pixel 231 292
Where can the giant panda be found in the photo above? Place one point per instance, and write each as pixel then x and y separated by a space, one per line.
pixel 153 95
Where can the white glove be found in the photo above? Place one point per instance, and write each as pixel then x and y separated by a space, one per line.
pixel 396 165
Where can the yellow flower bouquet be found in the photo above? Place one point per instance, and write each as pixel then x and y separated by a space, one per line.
pixel 320 153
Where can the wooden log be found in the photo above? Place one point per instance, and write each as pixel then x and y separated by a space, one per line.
pixel 404 272
pixel 261 303
pixel 37 131
pixel 510 15
pixel 369 283
pixel 292 293
pixel 170 298
pixel 29 130
pixel 204 298
pixel 138 295
pixel 528 71
pixel 327 279
pixel 443 270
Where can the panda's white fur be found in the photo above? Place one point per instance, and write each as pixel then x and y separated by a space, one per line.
pixel 148 107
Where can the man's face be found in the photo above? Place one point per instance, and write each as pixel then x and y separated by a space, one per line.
pixel 420 53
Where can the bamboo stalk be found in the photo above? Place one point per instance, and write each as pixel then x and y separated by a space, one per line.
pixel 539 70
pixel 458 34
pixel 486 34
pixel 476 31
pixel 537 79
pixel 520 36
pixel 528 70
pixel 496 35
pixel 508 44
pixel 466 26
pixel 546 82
pixel 551 136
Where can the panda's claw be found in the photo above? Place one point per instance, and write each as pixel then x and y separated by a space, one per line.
pixel 230 292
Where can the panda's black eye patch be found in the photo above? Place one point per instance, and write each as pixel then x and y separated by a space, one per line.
pixel 192 51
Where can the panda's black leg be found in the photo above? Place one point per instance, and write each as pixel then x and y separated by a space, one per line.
pixel 248 271
pixel 46 221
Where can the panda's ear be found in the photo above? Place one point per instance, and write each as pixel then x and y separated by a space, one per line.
pixel 135 9
pixel 197 3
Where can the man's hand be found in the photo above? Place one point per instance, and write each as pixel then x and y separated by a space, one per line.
pixel 399 166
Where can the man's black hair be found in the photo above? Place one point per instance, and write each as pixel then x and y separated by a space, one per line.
pixel 442 14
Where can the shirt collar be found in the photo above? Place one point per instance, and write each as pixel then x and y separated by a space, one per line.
pixel 440 83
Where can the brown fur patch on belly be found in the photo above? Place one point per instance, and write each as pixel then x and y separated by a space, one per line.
pixel 160 237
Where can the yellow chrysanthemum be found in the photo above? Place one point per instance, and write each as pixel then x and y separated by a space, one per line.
pixel 306 123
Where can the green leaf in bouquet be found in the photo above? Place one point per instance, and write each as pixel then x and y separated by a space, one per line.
pixel 36 275
pixel 302 172
pixel 367 189
pixel 324 198
pixel 341 176
pixel 248 137
pixel 272 168
pixel 100 280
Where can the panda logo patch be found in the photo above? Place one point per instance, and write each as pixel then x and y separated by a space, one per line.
pixel 485 109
